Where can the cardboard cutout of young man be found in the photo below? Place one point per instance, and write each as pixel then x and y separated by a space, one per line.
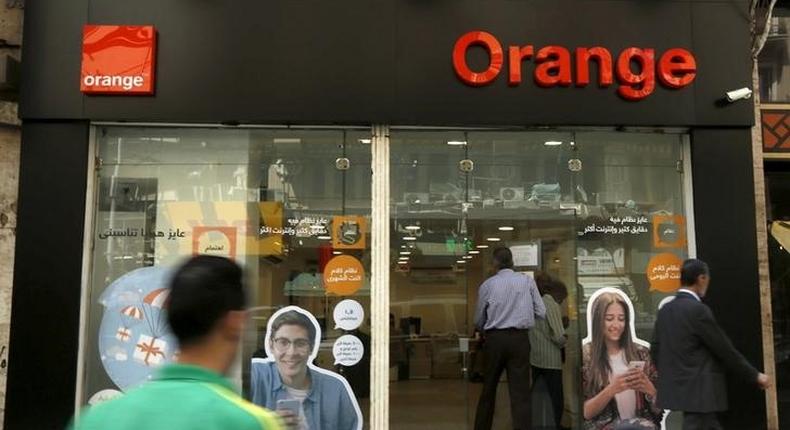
pixel 306 396
pixel 618 376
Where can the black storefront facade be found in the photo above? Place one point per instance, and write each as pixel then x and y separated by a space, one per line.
pixel 260 104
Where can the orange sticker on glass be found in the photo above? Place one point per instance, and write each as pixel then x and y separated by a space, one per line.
pixel 669 231
pixel 348 232
pixel 214 241
pixel 663 272
pixel 270 238
pixel 343 275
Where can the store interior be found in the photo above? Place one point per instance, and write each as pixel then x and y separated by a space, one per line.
pixel 580 206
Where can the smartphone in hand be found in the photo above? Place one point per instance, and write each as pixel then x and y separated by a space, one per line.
pixel 640 365
pixel 291 405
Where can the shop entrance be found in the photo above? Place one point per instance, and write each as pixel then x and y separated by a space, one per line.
pixel 456 197
pixel 586 209
pixel 583 209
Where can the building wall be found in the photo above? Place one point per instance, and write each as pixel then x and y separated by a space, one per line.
pixel 10 139
pixel 9 181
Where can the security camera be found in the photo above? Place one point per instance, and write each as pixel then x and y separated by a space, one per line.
pixel 739 94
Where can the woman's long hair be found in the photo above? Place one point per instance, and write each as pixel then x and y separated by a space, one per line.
pixel 599 366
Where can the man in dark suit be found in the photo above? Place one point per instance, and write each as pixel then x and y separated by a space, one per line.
pixel 692 353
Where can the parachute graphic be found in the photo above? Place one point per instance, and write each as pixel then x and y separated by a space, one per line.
pixel 134 337
pixel 153 305
pixel 131 315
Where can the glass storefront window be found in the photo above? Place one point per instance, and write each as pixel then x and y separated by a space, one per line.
pixel 285 204
pixel 590 210
pixel 774 59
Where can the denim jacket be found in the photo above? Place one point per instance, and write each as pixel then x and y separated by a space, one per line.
pixel 329 405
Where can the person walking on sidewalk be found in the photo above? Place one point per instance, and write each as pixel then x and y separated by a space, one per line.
pixel 507 306
pixel 692 352
pixel 206 314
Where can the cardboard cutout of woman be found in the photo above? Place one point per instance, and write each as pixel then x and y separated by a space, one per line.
pixel 288 382
pixel 618 377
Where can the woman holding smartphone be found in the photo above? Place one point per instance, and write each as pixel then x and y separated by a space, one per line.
pixel 617 375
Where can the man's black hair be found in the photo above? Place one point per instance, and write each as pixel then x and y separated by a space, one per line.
pixel 503 258
pixel 202 291
pixel 691 270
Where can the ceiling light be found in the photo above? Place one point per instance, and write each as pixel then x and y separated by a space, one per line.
pixel 336 252
pixel 409 238
pixel 324 237
pixel 474 252
pixel 506 228
pixel 482 246
pixel 412 227
pixel 461 261
pixel 403 258
pixel 468 257
pixel 287 140
pixel 456 142
pixel 405 253
pixel 493 239
pixel 553 143
pixel 365 141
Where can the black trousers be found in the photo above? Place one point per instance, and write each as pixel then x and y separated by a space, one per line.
pixel 553 378
pixel 506 350
pixel 701 421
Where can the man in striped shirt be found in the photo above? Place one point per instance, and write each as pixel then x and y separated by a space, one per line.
pixel 507 306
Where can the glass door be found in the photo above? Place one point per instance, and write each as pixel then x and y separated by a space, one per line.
pixel 455 197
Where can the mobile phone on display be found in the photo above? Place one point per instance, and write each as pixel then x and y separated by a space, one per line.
pixel 636 365
pixel 292 405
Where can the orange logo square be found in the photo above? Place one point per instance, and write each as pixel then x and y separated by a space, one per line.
pixel 118 59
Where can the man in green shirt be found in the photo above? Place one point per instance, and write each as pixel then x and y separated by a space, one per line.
pixel 206 314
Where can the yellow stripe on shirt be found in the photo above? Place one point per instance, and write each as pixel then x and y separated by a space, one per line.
pixel 268 420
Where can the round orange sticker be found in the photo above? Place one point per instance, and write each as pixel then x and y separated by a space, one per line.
pixel 343 275
pixel 663 272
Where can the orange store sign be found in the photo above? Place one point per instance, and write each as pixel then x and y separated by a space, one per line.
pixel 118 59
pixel 675 68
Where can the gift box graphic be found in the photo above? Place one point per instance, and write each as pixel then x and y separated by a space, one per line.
pixel 149 350
pixel 123 334
pixel 137 302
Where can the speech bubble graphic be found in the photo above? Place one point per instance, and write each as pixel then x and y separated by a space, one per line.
pixel 348 350
pixel 104 396
pixel 349 315
pixel 343 275
pixel 663 272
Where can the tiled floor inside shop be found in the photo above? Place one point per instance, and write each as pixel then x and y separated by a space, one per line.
pixel 446 404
